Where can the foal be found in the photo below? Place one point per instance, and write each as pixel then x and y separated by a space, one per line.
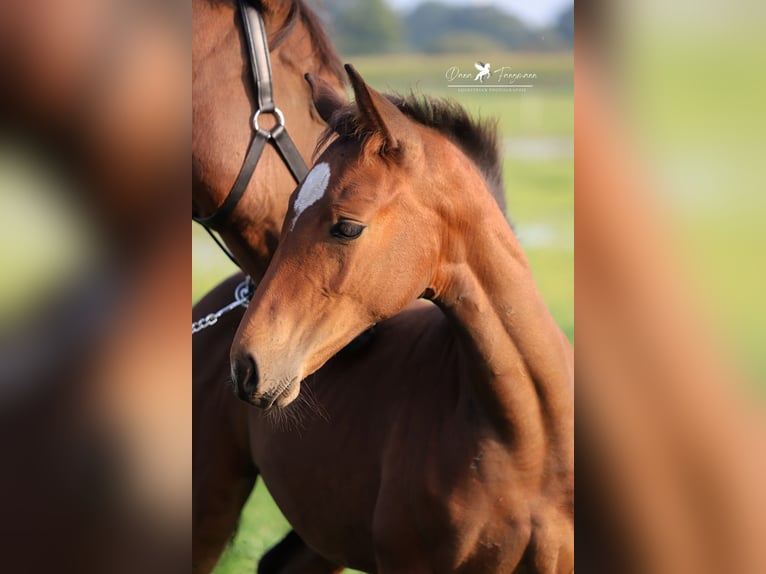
pixel 473 472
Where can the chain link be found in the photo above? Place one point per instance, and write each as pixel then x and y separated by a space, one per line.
pixel 242 295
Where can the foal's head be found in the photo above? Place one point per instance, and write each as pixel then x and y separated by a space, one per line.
pixel 369 230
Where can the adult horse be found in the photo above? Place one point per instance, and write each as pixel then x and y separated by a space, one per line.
pixel 469 471
pixel 224 103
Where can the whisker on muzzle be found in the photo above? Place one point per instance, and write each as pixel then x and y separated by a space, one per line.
pixel 311 402
pixel 295 416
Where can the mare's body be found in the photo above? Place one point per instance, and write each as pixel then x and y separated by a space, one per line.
pixel 222 109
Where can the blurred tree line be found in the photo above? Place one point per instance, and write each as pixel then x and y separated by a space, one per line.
pixel 373 27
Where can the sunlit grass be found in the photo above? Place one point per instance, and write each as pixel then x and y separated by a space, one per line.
pixel 209 265
pixel 261 525
pixel 540 205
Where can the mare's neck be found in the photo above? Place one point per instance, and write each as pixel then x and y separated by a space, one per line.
pixel 222 132
pixel 521 371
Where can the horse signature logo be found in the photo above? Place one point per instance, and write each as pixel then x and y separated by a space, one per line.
pixel 484 71
pixel 503 77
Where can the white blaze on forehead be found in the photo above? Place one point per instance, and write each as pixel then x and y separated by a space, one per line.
pixel 312 190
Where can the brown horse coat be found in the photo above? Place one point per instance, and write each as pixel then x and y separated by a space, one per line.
pixel 461 458
pixel 222 110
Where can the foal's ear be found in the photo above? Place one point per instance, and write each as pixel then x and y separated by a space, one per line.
pixel 326 99
pixel 378 113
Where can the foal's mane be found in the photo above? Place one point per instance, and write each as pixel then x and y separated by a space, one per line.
pixel 323 48
pixel 476 138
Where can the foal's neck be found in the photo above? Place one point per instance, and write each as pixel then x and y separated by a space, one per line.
pixel 521 371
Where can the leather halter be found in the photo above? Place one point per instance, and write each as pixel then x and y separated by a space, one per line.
pixel 260 65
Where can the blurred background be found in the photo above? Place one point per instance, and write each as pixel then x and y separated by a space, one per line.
pixel 403 45
pixel 693 104
pixel 95 355
pixel 669 278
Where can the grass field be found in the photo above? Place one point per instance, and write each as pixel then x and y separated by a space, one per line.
pixel 537 129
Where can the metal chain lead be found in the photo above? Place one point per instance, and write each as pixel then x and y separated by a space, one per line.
pixel 242 295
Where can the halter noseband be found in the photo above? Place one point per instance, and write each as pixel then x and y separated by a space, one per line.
pixel 260 65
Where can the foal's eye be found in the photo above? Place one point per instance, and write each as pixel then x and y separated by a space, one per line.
pixel 346 230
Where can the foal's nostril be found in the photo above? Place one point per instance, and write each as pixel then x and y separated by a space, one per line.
pixel 244 376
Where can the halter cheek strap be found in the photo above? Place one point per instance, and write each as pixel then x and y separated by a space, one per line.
pixel 260 65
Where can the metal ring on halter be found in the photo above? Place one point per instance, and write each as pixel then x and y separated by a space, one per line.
pixel 276 111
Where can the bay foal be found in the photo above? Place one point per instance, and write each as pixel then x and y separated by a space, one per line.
pixel 469 472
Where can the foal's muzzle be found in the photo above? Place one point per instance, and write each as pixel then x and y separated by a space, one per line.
pixel 250 387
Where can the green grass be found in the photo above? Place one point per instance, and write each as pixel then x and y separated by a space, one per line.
pixel 540 204
pixel 261 525
pixel 209 264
